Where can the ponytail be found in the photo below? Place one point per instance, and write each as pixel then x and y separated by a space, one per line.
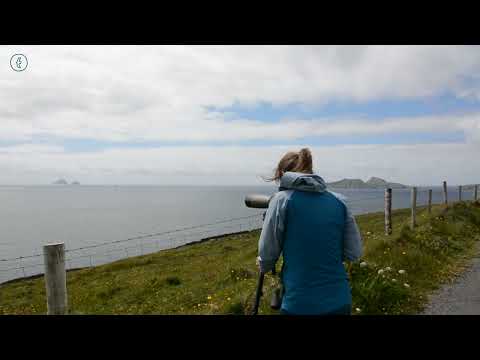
pixel 305 161
pixel 293 161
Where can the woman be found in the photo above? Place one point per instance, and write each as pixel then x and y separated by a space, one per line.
pixel 315 232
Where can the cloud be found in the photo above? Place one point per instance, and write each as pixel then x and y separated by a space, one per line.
pixel 231 165
pixel 125 94
pixel 213 128
pixel 471 128
pixel 130 93
pixel 31 149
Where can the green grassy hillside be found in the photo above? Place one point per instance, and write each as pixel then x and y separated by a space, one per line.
pixel 219 276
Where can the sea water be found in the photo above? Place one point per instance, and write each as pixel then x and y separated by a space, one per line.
pixel 83 217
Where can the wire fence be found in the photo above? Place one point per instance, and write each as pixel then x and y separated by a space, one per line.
pixel 106 252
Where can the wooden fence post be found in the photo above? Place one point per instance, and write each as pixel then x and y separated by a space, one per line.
pixel 459 192
pixel 475 192
pixel 55 279
pixel 429 204
pixel 445 198
pixel 388 211
pixel 414 207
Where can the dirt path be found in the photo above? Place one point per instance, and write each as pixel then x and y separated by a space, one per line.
pixel 462 297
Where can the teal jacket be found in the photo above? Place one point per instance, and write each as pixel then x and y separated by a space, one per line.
pixel 315 232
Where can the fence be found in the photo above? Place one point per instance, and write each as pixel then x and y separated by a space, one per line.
pixel 29 266
pixel 57 260
pixel 106 252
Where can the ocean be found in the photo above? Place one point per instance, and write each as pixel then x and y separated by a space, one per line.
pixel 100 224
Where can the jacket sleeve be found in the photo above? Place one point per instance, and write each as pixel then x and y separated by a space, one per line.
pixel 270 243
pixel 352 239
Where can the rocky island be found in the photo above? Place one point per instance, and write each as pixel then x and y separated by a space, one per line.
pixel 60 182
pixel 372 183
pixel 65 182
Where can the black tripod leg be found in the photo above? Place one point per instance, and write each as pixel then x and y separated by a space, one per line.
pixel 258 294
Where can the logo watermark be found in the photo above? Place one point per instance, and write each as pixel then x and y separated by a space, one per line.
pixel 18 62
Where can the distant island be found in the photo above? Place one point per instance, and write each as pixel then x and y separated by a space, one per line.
pixel 60 182
pixel 65 182
pixel 372 183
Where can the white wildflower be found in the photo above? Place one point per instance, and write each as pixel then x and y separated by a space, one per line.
pixel 394 280
pixel 363 264
pixel 406 285
pixel 388 268
pixel 358 309
pixel 401 271
pixel 380 272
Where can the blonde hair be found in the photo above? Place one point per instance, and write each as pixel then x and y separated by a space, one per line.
pixel 294 161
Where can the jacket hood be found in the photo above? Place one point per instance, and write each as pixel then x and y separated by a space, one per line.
pixel 303 182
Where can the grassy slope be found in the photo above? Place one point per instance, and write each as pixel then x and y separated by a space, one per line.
pixel 219 276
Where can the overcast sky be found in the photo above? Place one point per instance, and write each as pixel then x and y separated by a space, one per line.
pixel 226 114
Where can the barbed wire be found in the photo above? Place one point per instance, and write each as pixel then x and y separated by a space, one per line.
pixel 140 245
pixel 125 249
pixel 141 236
pixel 65 262
pixel 22 257
pixel 22 267
pixel 162 233
pixel 154 245
pixel 366 198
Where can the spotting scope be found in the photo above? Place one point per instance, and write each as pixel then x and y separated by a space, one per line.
pixel 261 202
pixel 257 201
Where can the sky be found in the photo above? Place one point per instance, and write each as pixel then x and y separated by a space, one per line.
pixel 224 115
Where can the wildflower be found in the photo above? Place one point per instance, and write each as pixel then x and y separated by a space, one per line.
pixel 404 253
pixel 358 309
pixel 209 297
pixel 406 285
pixel 388 268
pixel 369 233
pixel 401 271
pixel 394 280
pixel 363 264
pixel 380 271
pixel 229 299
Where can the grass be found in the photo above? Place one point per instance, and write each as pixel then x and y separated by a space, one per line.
pixel 219 276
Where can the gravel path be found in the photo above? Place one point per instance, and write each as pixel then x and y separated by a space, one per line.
pixel 462 297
